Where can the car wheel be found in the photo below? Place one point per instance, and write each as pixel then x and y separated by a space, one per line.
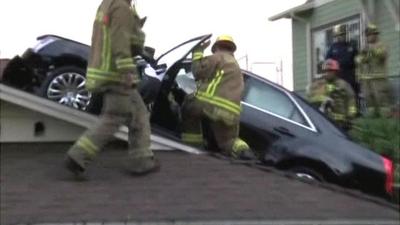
pixel 304 173
pixel 66 85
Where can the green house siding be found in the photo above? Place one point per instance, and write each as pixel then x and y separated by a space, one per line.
pixel 299 55
pixel 335 11
pixel 338 11
pixel 326 14
pixel 390 37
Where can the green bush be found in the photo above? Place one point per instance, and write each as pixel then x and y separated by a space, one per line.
pixel 381 135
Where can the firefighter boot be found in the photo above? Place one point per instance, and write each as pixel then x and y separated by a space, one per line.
pixel 143 165
pixel 242 151
pixel 74 168
pixel 246 155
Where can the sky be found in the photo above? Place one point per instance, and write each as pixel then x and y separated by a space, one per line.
pixel 264 44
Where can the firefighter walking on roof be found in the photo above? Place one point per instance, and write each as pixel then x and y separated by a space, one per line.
pixel 219 92
pixel 117 39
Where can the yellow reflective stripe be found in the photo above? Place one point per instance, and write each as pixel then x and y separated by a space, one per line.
pixel 218 80
pixel 99 16
pixel 123 61
pixel 330 87
pixel 373 76
pixel 220 102
pixel 104 78
pixel 352 110
pixel 105 50
pixel 337 116
pixel 127 66
pixel 239 145
pixel 192 138
pixel 126 63
pixel 317 98
pixel 210 85
pixel 88 146
pixel 101 72
pixel 197 55
pixel 137 40
pixel 100 75
pixel 108 52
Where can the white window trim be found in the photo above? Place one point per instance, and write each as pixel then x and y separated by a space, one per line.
pixel 280 117
pixel 311 67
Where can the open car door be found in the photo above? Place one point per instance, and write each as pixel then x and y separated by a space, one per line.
pixel 165 113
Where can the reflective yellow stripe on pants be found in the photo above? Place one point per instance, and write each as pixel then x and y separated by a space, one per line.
pixel 88 146
pixel 192 138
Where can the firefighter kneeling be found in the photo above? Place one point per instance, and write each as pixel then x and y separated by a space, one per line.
pixel 333 96
pixel 219 91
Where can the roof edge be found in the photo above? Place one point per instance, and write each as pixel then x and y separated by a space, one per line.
pixel 308 5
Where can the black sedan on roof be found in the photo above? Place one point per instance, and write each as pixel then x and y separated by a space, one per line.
pixel 284 130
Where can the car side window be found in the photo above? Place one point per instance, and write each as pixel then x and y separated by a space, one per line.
pixel 272 100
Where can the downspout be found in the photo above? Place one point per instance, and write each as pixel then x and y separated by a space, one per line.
pixel 308 45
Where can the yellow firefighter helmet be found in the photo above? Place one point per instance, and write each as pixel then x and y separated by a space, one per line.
pixel 226 42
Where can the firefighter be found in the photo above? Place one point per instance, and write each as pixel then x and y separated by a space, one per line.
pixel 333 96
pixel 219 91
pixel 117 38
pixel 344 52
pixel 371 71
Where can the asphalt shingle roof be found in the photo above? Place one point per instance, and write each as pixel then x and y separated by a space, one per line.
pixel 35 188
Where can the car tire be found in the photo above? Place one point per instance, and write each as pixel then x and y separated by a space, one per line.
pixel 66 85
pixel 307 174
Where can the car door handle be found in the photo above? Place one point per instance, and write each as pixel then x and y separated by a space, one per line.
pixel 284 130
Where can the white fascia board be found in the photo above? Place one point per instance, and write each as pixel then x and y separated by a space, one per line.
pixel 301 8
pixel 53 109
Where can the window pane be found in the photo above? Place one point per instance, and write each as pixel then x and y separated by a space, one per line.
pixel 268 98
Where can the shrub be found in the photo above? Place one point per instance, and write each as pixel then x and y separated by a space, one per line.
pixel 381 135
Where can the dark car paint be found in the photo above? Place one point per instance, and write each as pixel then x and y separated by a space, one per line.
pixel 281 143
pixel 285 144
pixel 29 70
pixel 63 46
pixel 327 149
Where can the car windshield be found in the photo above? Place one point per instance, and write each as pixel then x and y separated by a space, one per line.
pixel 181 51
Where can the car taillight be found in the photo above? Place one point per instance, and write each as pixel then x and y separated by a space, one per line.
pixel 389 171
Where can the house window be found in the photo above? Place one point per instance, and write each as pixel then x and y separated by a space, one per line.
pixel 323 37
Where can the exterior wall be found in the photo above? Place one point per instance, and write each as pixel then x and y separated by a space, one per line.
pixel 299 55
pixel 335 11
pixel 326 14
pixel 338 11
pixel 391 38
pixel 20 125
